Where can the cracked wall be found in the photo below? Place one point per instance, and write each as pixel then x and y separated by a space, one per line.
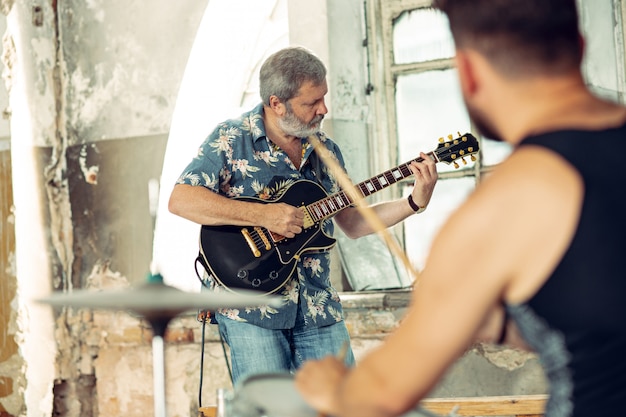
pixel 12 381
pixel 11 364
pixel 93 88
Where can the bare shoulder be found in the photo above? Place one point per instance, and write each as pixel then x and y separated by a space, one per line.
pixel 531 181
pixel 538 197
pixel 517 223
pixel 535 169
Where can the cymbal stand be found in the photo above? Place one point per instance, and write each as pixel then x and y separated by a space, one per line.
pixel 158 320
pixel 159 325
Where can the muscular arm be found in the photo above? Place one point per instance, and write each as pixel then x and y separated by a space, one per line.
pixel 501 245
pixel 203 206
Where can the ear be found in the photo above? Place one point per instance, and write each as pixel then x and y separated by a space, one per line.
pixel 277 106
pixel 467 73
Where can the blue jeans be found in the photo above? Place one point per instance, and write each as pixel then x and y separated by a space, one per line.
pixel 255 350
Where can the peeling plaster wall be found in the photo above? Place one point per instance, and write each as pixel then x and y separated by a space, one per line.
pixel 11 380
pixel 30 56
pixel 124 62
pixel 11 363
pixel 93 85
pixel 122 66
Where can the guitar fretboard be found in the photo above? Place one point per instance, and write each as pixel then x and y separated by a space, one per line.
pixel 331 205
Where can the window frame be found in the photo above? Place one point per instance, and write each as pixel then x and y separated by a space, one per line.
pixel 383 75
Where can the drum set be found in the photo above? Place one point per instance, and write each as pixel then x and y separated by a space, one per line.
pixel 265 395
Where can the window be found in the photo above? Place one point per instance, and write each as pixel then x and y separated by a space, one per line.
pixel 423 101
pixel 416 97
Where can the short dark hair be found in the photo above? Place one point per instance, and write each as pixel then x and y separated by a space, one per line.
pixel 283 73
pixel 518 36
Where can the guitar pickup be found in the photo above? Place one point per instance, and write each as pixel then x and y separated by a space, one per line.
pixel 308 220
pixel 255 250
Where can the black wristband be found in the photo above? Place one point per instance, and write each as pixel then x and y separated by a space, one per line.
pixel 414 206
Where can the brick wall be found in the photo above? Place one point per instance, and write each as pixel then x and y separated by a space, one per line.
pixel 123 364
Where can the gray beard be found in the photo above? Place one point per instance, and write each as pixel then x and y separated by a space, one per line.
pixel 292 126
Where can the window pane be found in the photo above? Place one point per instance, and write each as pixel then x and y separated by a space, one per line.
pixel 494 152
pixel 419 230
pixel 421 35
pixel 429 106
pixel 603 54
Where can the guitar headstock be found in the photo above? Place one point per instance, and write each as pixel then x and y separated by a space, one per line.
pixel 457 148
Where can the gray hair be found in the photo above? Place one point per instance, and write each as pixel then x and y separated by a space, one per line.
pixel 283 73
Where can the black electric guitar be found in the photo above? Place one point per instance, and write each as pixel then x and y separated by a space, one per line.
pixel 253 258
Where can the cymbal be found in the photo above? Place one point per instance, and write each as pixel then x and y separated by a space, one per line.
pixel 156 298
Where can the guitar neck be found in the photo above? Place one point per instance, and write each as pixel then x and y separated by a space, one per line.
pixel 333 204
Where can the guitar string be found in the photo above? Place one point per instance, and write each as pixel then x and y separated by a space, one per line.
pixel 376 183
pixel 343 199
pixel 321 210
pixel 368 213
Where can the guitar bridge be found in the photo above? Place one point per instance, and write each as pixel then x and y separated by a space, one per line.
pixel 264 238
pixel 250 241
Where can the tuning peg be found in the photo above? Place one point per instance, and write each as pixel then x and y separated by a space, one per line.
pixel 473 158
pixel 440 140
pixel 458 133
pixel 456 165
pixel 464 161
pixel 449 137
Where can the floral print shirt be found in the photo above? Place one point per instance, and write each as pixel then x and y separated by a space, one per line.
pixel 237 159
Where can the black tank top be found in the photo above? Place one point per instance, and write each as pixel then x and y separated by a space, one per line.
pixel 577 320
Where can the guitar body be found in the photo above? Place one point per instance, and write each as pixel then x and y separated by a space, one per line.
pixel 251 258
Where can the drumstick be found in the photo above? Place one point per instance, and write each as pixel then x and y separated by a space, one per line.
pixel 356 197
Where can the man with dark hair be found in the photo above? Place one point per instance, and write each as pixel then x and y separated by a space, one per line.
pixel 259 156
pixel 543 235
